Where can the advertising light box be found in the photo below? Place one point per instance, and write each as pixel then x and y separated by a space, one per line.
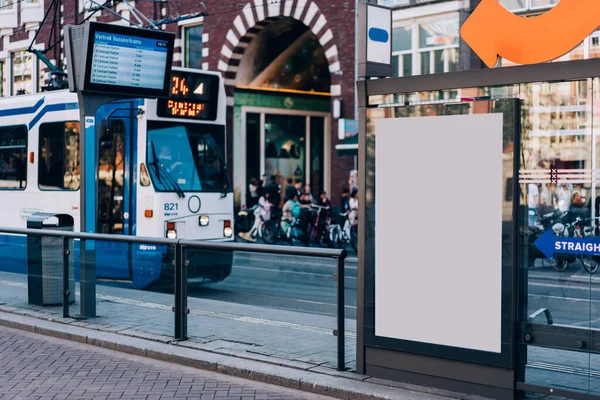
pixel 127 61
pixel 438 252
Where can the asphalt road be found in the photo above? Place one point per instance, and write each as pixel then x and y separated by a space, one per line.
pixel 307 284
pixel 286 282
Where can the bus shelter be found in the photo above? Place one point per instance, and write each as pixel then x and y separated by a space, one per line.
pixel 473 184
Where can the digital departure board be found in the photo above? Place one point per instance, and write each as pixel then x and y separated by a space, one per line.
pixel 130 61
pixel 192 95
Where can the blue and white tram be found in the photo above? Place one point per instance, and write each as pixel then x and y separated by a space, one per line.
pixel 159 168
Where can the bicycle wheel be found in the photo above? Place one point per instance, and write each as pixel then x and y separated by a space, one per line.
pixel 334 236
pixel 354 239
pixel 269 231
pixel 559 264
pixel 590 263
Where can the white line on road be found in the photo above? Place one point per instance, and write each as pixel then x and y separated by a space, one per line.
pixel 554 285
pixel 563 298
pixel 206 313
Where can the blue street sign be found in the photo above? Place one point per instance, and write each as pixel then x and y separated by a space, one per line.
pixel 550 244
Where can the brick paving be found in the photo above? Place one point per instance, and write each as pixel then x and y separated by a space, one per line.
pixel 39 367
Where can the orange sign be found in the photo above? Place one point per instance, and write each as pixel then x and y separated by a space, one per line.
pixel 493 31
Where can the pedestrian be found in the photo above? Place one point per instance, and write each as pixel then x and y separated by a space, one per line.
pixel 353 203
pixel 289 190
pixel 274 192
pixel 291 211
pixel 324 202
pixel 262 213
pixel 345 201
pixel 308 194
pixel 298 185
pixel 253 194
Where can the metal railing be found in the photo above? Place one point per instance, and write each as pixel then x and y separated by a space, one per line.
pixel 180 307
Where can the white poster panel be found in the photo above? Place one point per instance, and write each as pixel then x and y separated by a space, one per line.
pixel 438 230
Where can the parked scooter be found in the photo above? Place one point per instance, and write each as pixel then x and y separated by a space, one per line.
pixel 245 219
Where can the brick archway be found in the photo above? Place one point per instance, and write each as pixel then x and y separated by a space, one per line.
pixel 255 16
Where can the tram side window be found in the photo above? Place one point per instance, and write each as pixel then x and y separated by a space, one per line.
pixel 58 165
pixel 13 154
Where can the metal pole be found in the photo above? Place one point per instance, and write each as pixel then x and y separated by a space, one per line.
pixel 65 286
pixel 341 315
pixel 180 293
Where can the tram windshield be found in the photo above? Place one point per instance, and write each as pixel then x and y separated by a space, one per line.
pixel 186 157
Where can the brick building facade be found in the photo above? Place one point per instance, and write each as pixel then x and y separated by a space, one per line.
pixel 308 45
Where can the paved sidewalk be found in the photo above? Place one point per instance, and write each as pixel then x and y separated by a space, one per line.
pixel 317 380
pixel 33 366
pixel 291 337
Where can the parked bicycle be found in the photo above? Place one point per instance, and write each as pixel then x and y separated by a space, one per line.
pixel 342 232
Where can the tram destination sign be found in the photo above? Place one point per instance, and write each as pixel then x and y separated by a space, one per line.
pixel 122 60
pixel 192 95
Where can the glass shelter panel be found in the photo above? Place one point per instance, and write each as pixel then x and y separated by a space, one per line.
pixel 555 178
pixel 558 302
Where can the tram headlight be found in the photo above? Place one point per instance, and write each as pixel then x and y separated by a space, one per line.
pixel 227 229
pixel 203 220
pixel 171 232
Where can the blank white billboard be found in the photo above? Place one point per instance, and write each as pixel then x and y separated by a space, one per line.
pixel 438 230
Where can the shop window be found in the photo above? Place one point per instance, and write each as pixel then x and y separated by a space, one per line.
pixel 285 150
pixel 58 164
pixel 13 152
pixel 193 46
pixel 22 73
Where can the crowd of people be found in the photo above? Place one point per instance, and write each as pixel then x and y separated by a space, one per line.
pixel 298 208
pixel 563 198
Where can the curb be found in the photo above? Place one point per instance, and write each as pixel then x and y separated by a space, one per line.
pixel 314 382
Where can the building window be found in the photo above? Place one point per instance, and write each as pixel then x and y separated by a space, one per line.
pixel 6 5
pixel 394 2
pixel 524 5
pixel 58 167
pixel 13 152
pixel 31 1
pixel 193 46
pixel 3 79
pixel 22 73
pixel 423 48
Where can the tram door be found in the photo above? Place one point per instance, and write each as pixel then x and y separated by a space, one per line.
pixel 114 191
